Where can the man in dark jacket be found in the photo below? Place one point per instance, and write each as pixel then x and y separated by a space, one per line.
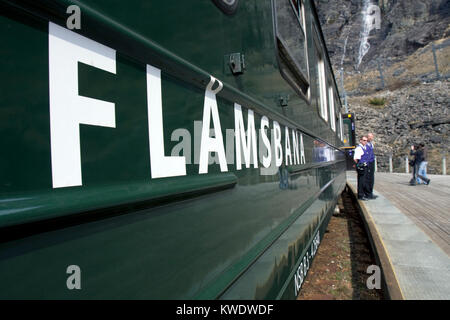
pixel 412 163
pixel 418 154
pixel 422 172
pixel 361 158
pixel 370 166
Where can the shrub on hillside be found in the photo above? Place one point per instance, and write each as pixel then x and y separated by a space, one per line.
pixel 377 101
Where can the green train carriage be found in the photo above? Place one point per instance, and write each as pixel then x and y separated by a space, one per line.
pixel 164 149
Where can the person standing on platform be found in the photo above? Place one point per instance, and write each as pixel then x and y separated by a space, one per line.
pixel 415 163
pixel 361 158
pixel 371 166
pixel 422 170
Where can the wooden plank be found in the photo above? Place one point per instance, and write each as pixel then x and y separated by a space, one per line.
pixel 428 206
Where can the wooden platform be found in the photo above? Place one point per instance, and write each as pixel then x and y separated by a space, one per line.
pixel 409 231
pixel 428 206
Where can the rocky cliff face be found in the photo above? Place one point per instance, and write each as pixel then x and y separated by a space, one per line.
pixel 396 66
pixel 405 26
pixel 409 115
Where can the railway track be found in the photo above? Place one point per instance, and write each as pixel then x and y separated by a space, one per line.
pixel 339 271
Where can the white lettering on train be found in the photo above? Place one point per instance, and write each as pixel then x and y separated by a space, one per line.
pixel 209 144
pixel 247 144
pixel 305 264
pixel 68 110
pixel 161 166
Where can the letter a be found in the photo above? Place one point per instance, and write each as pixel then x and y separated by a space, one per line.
pixel 373 17
pixel 207 143
pixel 74 281
pixel 287 147
pixel 74 21
pixel 302 150
pixel 374 281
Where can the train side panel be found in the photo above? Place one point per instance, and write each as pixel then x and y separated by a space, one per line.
pixel 98 125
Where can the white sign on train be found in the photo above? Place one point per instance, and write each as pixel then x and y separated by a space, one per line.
pixel 305 263
pixel 68 110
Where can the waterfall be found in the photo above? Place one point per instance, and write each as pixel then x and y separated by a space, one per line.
pixel 343 55
pixel 364 45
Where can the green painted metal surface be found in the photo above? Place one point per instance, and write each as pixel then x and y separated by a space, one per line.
pixel 221 234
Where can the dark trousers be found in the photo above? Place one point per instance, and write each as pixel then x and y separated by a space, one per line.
pixel 363 190
pixel 415 172
pixel 370 177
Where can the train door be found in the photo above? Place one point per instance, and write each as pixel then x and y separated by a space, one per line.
pixel 348 137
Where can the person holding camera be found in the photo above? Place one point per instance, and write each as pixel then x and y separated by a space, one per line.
pixel 362 158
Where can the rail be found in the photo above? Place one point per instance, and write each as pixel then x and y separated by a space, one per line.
pixel 400 164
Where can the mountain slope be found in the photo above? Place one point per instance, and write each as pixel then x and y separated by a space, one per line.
pixel 398 69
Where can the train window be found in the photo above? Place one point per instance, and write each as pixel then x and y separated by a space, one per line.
pixel 337 107
pixel 344 132
pixel 348 123
pixel 302 15
pixel 331 104
pixel 320 76
pixel 295 5
pixel 302 20
pixel 299 9
pixel 322 87
pixel 339 125
pixel 291 43
pixel 340 128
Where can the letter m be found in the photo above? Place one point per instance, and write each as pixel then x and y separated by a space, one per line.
pixel 248 144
